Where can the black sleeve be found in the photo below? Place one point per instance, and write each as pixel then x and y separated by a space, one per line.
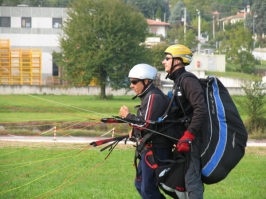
pixel 195 95
pixel 151 109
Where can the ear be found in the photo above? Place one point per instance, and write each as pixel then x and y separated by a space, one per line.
pixel 146 81
pixel 177 61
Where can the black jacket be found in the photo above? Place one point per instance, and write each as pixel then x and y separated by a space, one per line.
pixel 193 101
pixel 153 105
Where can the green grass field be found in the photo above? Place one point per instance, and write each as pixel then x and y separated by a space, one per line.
pixel 23 114
pixel 54 170
pixel 18 108
pixel 56 108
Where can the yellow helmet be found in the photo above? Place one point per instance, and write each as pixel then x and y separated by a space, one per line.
pixel 180 51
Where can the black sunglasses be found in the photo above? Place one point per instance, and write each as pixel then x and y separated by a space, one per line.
pixel 135 81
pixel 167 58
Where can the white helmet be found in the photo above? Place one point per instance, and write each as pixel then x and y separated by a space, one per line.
pixel 143 71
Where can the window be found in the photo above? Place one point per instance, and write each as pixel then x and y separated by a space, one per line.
pixel 153 30
pixel 57 22
pixel 55 69
pixel 4 21
pixel 26 22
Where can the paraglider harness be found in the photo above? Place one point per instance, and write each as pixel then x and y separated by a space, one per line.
pixel 171 176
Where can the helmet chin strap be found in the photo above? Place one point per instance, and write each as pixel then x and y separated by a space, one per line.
pixel 172 68
pixel 144 88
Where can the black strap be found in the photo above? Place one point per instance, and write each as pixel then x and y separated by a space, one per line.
pixel 179 86
pixel 170 103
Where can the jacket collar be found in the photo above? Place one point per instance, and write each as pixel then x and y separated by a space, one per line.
pixel 174 76
pixel 144 93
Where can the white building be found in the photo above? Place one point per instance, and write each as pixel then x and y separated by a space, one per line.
pixel 158 27
pixel 34 27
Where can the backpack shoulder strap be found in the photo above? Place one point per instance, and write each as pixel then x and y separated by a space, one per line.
pixel 160 119
pixel 180 90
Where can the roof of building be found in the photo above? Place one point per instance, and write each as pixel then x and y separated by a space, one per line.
pixel 215 13
pixel 237 16
pixel 157 23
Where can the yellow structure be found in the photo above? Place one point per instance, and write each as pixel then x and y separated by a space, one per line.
pixel 20 66
pixel 94 82
pixel 4 61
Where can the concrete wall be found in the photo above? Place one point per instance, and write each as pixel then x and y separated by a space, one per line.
pixel 207 63
pixel 90 90
pixel 57 90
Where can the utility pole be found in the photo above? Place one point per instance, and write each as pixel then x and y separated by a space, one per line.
pixel 185 22
pixel 244 17
pixel 213 27
pixel 198 31
pixel 254 30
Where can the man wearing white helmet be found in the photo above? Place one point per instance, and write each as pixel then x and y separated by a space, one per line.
pixel 153 105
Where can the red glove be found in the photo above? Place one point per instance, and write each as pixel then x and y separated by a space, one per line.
pixel 183 145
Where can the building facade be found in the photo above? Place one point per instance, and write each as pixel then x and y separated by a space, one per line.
pixel 34 27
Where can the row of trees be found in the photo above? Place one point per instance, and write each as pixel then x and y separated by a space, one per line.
pixel 102 41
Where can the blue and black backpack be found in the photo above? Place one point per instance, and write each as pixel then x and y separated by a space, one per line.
pixel 224 135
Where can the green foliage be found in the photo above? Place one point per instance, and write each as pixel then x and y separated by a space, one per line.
pixel 176 35
pixel 259 10
pixel 206 7
pixel 228 7
pixel 101 41
pixel 177 13
pixel 236 43
pixel 204 25
pixel 159 14
pixel 149 8
pixel 254 104
pixel 157 55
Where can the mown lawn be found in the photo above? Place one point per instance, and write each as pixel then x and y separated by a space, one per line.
pixel 54 170
pixel 55 108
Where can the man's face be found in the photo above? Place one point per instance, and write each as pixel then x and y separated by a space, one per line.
pixel 167 62
pixel 136 85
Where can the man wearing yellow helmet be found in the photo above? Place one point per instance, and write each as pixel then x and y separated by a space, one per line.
pixel 191 101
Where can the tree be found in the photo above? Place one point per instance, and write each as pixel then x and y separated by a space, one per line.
pixel 176 35
pixel 259 9
pixel 159 14
pixel 254 104
pixel 237 44
pixel 101 41
pixel 149 7
pixel 157 55
pixel 204 25
pixel 177 13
